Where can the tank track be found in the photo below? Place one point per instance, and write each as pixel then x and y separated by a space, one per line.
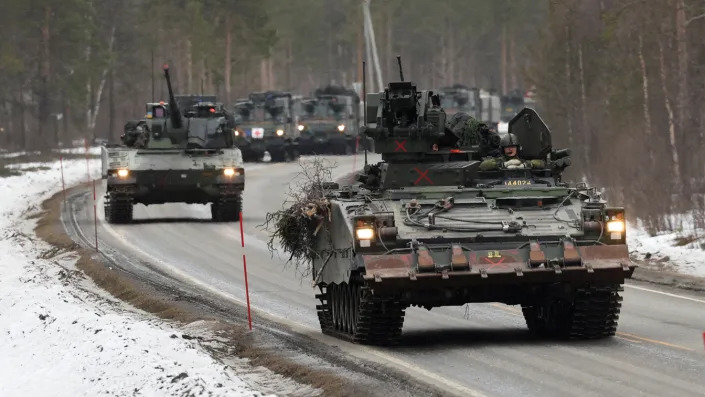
pixel 118 207
pixel 227 207
pixel 349 311
pixel 592 314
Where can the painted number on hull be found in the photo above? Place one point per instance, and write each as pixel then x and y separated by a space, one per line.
pixel 517 182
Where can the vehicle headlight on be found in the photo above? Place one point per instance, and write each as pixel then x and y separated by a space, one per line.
pixel 341 127
pixel 123 173
pixel 615 226
pixel 236 132
pixel 229 172
pixel 300 127
pixel 365 233
pixel 280 132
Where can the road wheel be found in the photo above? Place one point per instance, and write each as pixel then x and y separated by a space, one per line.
pixel 227 209
pixel 350 311
pixel 591 313
pixel 118 208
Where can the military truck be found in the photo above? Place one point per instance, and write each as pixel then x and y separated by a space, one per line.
pixel 460 98
pixel 426 227
pixel 329 122
pixel 265 124
pixel 172 157
pixel 480 104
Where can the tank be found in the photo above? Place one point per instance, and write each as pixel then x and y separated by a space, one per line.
pixel 265 124
pixel 426 227
pixel 330 122
pixel 175 156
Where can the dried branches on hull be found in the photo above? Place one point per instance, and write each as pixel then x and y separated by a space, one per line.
pixel 305 211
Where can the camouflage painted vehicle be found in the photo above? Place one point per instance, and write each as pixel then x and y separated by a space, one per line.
pixel 173 157
pixel 460 98
pixel 426 227
pixel 483 105
pixel 265 123
pixel 330 122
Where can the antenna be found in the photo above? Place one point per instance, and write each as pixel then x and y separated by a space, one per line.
pixel 401 71
pixel 364 101
pixel 152 75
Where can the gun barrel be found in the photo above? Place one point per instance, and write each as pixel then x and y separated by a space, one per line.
pixel 174 112
pixel 560 153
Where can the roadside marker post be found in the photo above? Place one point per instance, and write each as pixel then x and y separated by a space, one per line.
pixel 95 218
pixel 244 266
pixel 63 185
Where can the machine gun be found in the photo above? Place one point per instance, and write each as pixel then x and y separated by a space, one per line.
pixel 408 122
pixel 175 113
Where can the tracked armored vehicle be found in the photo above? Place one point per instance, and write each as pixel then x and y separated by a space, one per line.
pixel 426 227
pixel 460 98
pixel 170 157
pixel 330 122
pixel 265 123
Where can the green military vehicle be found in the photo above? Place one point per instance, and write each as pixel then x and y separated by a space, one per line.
pixel 172 157
pixel 329 122
pixel 265 124
pixel 426 227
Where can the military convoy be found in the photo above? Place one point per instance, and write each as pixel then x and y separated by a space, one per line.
pixel 172 156
pixel 329 122
pixel 483 105
pixel 426 227
pixel 265 124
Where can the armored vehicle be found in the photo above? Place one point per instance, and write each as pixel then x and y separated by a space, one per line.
pixel 426 227
pixel 174 157
pixel 460 98
pixel 483 105
pixel 265 123
pixel 330 122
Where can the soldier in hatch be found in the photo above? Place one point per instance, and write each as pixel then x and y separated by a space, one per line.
pixel 468 131
pixel 509 159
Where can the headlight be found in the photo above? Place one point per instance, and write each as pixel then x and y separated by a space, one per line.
pixel 123 173
pixel 236 132
pixel 616 226
pixel 280 132
pixel 300 127
pixel 341 127
pixel 229 172
pixel 365 233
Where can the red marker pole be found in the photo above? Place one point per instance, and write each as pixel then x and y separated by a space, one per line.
pixel 244 266
pixel 63 185
pixel 95 218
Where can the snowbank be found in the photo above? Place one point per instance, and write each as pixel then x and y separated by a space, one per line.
pixel 682 251
pixel 61 340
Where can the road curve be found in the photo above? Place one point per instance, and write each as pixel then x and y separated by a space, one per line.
pixel 481 349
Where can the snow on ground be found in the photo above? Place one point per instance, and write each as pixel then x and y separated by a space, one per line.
pixel 681 250
pixel 62 340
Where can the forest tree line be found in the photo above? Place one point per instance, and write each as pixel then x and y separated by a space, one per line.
pixel 618 81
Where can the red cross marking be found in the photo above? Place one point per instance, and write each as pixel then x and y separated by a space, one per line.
pixel 498 263
pixel 422 175
pixel 401 145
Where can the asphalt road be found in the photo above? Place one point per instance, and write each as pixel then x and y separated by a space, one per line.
pixel 481 349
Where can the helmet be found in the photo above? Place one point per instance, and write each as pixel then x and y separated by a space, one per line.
pixel 509 140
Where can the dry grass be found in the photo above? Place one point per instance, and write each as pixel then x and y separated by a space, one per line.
pixel 172 305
